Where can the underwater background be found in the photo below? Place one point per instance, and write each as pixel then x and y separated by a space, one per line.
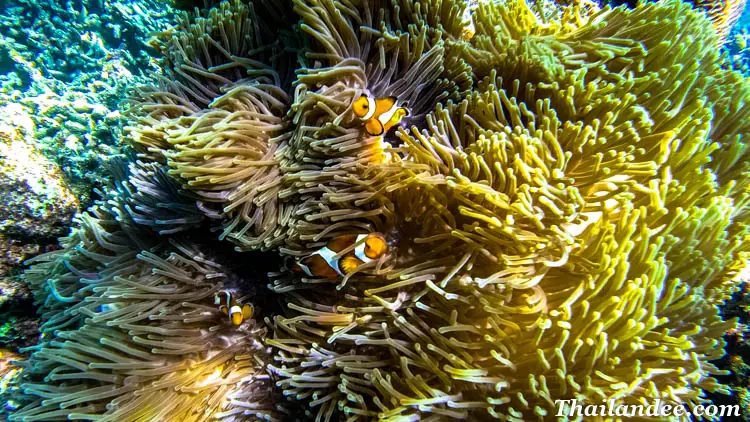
pixel 375 209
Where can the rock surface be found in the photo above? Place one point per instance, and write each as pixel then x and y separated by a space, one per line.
pixel 35 202
pixel 36 208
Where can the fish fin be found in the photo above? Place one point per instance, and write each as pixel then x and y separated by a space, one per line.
pixel 374 127
pixel 399 114
pixel 342 242
pixel 224 309
pixel 247 311
pixel 387 127
pixel 349 264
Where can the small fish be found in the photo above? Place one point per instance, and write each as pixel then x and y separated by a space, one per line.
pixel 229 306
pixel 108 307
pixel 468 33
pixel 323 263
pixel 378 114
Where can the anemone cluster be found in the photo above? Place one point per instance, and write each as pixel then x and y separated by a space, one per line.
pixel 565 206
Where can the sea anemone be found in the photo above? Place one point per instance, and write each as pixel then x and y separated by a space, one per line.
pixel 211 118
pixel 130 330
pixel 565 207
pixel 557 231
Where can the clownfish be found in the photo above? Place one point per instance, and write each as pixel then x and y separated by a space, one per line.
pixel 378 114
pixel 228 306
pixel 323 263
pixel 468 33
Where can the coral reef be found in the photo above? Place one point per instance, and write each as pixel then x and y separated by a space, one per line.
pixel 738 47
pixel 565 206
pixel 737 352
pixel 68 39
pixel 66 66
pixel 78 132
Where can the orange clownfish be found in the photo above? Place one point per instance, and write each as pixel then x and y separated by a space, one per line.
pixel 378 114
pixel 324 263
pixel 231 308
